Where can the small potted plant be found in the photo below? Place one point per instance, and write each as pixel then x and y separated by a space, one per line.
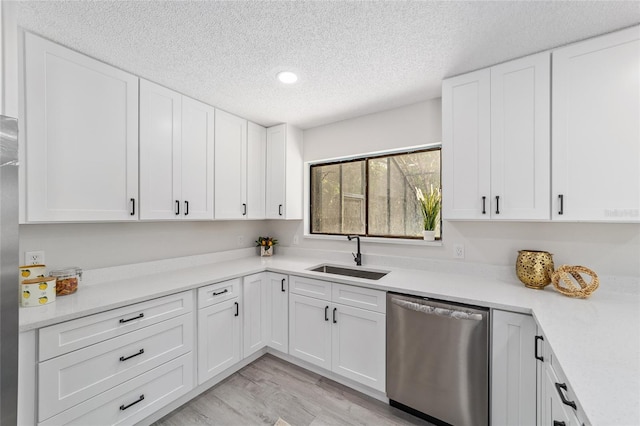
pixel 430 209
pixel 266 245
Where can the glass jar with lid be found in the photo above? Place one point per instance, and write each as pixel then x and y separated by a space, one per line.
pixel 67 280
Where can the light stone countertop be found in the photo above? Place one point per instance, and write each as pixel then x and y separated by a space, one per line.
pixel 596 341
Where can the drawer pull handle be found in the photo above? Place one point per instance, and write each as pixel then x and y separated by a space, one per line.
pixel 282 285
pixel 124 407
pixel 133 206
pixel 557 423
pixel 244 209
pixel 561 200
pixel 326 313
pixel 565 401
pixel 334 315
pixel 122 321
pixel 484 201
pixel 220 292
pixel 497 204
pixel 539 357
pixel 237 309
pixel 177 207
pixel 186 208
pixel 280 209
pixel 124 358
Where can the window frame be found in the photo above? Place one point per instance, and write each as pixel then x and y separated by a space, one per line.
pixel 358 158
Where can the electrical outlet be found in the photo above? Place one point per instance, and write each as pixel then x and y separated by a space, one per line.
pixel 34 257
pixel 458 251
pixel 240 240
pixel 295 240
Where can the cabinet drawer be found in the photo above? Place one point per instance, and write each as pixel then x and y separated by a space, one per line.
pixel 219 292
pixel 154 389
pixel 310 287
pixel 77 376
pixel 359 297
pixel 69 336
pixel 568 392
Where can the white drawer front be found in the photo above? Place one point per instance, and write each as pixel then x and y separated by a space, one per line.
pixel 75 377
pixel 159 387
pixel 69 336
pixel 360 297
pixel 216 293
pixel 310 287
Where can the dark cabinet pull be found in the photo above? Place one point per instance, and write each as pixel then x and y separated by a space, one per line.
pixel 280 209
pixel 177 207
pixel 561 200
pixel 540 357
pixel 334 315
pixel 557 423
pixel 124 407
pixel 186 208
pixel 237 309
pixel 282 285
pixel 326 313
pixel 565 401
pixel 122 321
pixel 497 204
pixel 244 209
pixel 220 292
pixel 133 206
pixel 484 205
pixel 124 358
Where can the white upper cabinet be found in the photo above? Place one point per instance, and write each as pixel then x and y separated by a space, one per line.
pixel 466 141
pixel 520 132
pixel 81 137
pixel 284 174
pixel 176 155
pixel 596 130
pixel 495 142
pixel 230 166
pixel 256 169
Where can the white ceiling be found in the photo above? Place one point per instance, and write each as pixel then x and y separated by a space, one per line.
pixel 353 58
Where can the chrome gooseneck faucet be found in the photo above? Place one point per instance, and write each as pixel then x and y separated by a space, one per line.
pixel 357 257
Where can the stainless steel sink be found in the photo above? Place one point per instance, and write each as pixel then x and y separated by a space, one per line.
pixel 350 272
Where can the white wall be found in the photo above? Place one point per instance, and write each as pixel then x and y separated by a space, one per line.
pixel 609 249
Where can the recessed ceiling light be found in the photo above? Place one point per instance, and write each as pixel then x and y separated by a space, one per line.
pixel 287 77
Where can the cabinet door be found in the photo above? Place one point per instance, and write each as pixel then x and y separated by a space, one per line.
pixel 218 339
pixel 81 137
pixel 513 372
pixel 310 330
pixel 160 147
pixel 466 139
pixel 358 345
pixel 520 138
pixel 596 105
pixel 197 159
pixel 276 172
pixel 230 166
pixel 256 313
pixel 256 164
pixel 553 410
pixel 279 297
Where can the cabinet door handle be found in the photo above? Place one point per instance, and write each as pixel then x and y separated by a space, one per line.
pixel 282 285
pixel 237 309
pixel 186 208
pixel 124 407
pixel 561 201
pixel 565 401
pixel 124 358
pixel 484 205
pixel 540 357
pixel 122 321
pixel 244 209
pixel 497 204
pixel 177 207
pixel 326 313
pixel 557 423
pixel 220 292
pixel 280 209
pixel 133 206
pixel 334 315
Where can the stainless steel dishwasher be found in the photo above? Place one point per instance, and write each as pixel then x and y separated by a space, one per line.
pixel 438 359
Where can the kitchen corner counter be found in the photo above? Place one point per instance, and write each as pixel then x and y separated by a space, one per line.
pixel 596 341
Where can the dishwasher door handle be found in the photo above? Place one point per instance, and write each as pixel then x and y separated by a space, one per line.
pixel 435 310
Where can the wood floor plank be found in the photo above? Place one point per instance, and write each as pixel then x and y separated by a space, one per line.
pixel 271 388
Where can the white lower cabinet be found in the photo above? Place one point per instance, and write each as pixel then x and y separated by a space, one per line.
pixel 347 340
pixel 278 300
pixel 255 313
pixel 513 372
pixel 219 345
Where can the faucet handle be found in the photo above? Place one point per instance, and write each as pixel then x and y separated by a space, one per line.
pixel 355 257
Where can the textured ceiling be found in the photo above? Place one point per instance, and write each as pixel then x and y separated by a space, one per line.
pixel 353 58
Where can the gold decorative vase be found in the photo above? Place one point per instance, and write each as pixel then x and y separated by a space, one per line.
pixel 534 268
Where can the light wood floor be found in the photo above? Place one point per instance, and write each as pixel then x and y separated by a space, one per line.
pixel 271 388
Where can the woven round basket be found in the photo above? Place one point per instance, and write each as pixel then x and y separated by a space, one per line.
pixel 562 281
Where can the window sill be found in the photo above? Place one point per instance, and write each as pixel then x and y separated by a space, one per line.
pixel 398 241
